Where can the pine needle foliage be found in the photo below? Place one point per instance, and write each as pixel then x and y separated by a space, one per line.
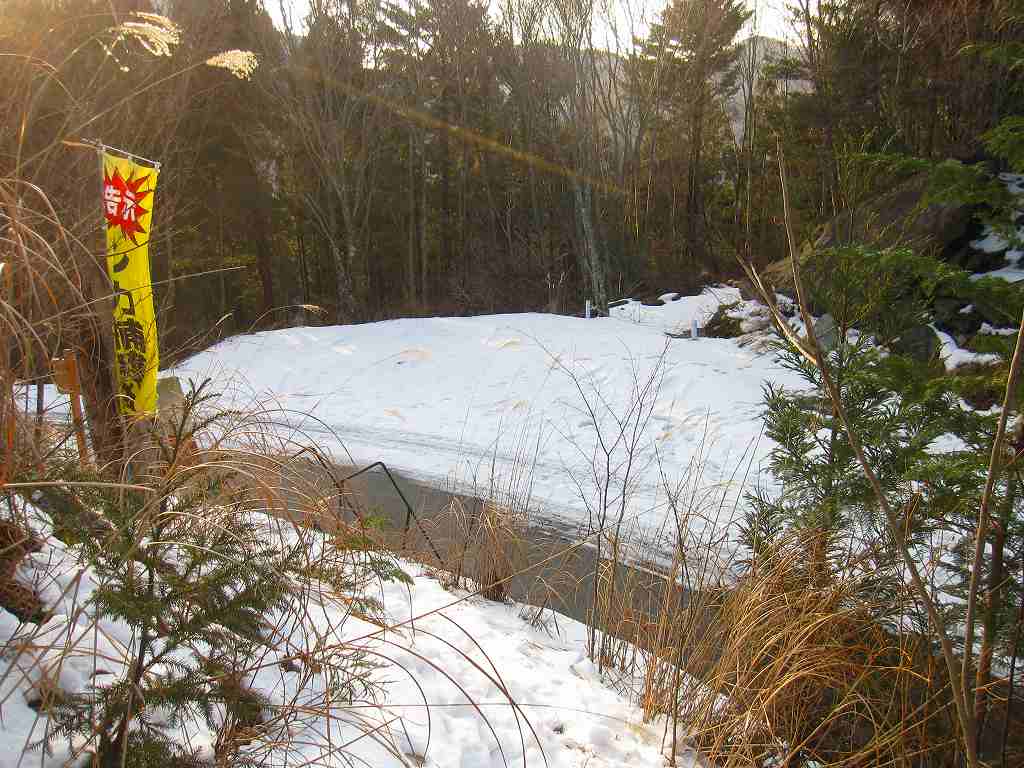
pixel 191 570
pixel 898 405
pixel 930 452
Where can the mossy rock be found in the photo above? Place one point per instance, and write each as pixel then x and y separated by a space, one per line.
pixel 951 317
pixel 981 386
pixel 992 344
pixel 918 343
pixel 722 325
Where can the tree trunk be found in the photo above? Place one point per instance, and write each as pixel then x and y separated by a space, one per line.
pixel 447 260
pixel 592 263
pixel 96 371
pixel 422 223
pixel 465 257
pixel 343 258
pixel 304 269
pixel 694 233
pixel 410 263
pixel 990 620
pixel 96 366
pixel 265 263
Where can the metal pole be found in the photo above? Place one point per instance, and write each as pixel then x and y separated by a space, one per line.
pixel 409 514
pixel 101 148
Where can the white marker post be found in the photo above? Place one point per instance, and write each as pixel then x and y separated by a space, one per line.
pixel 588 309
pixel 694 328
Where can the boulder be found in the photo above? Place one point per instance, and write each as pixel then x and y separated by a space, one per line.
pixel 756 322
pixel 779 275
pixel 950 317
pixel 746 288
pixel 919 343
pixel 826 333
pixel 975 260
pixel 900 218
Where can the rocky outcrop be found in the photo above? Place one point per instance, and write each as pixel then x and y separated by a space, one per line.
pixel 918 343
pixel 901 217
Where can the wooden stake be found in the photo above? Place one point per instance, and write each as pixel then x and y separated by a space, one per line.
pixel 65 376
pixel 7 404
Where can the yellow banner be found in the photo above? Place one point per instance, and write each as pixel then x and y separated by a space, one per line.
pixel 128 209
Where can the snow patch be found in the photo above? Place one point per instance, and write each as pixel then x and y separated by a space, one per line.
pixel 953 356
pixel 986 328
pixel 678 312
pixel 456 653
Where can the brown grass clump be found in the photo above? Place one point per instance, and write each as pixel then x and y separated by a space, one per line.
pixel 497 549
pixel 481 543
pixel 804 670
pixel 721 325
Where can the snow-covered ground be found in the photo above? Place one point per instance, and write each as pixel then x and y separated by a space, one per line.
pixel 992 241
pixel 452 665
pixel 442 398
pixel 953 356
pixel 468 401
pixel 462 399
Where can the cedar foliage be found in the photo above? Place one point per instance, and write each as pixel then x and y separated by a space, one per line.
pixel 930 453
pixel 192 571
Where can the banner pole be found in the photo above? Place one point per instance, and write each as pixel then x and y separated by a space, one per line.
pixel 119 422
pixel 101 148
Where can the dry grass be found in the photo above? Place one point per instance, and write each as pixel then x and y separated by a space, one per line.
pixel 172 480
pixel 236 472
pixel 482 545
pixel 803 670
pixel 497 550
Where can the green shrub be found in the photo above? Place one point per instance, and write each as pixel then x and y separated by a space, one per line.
pixel 993 344
pixel 880 292
pixel 205 579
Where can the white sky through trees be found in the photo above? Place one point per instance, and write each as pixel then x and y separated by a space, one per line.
pixel 771 18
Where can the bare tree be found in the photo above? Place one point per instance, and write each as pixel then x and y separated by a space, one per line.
pixel 573 22
pixel 749 70
pixel 625 104
pixel 333 116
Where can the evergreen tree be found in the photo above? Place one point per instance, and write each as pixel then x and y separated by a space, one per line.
pixel 927 447
pixel 898 410
pixel 191 569
pixel 692 57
